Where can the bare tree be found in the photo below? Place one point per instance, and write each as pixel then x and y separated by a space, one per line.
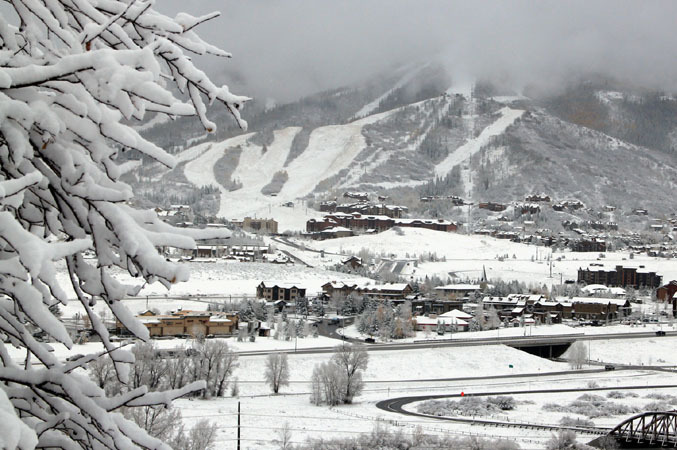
pixel 284 435
pixel 200 437
pixel 102 372
pixel 177 370
pixel 352 360
pixel 148 369
pixel 158 421
pixel 277 371
pixel 327 384
pixel 215 364
pixel 577 355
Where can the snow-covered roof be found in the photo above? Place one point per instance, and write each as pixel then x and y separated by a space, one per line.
pixel 271 284
pixel 598 300
pixel 456 313
pixel 337 230
pixel 500 300
pixel 220 319
pixel 149 319
pixel 423 320
pixel 459 287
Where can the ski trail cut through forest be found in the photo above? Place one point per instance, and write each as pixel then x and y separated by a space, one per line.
pixel 472 146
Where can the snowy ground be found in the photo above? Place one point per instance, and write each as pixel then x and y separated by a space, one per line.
pixel 391 374
pixel 465 256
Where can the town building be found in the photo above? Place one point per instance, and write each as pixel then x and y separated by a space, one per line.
pixel 492 206
pixel 666 292
pixel 457 291
pixel 374 223
pixel 636 277
pixel 253 225
pixel 389 291
pixel 280 291
pixel 185 323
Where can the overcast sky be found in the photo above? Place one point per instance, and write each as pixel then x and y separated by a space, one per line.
pixel 285 49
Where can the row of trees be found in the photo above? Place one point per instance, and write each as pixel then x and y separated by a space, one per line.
pixel 209 360
pixel 385 321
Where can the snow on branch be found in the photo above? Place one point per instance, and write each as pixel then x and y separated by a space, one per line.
pixel 70 72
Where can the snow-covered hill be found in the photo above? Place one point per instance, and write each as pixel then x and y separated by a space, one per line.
pixel 448 141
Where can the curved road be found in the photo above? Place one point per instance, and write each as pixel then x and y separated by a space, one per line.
pixel 396 405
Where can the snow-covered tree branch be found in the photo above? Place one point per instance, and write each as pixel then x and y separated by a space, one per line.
pixel 70 72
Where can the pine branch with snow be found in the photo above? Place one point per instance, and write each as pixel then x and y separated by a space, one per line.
pixel 71 71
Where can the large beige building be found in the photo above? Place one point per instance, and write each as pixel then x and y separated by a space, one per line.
pixel 186 323
pixel 266 226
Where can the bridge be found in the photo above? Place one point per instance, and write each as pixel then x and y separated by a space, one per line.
pixel 654 429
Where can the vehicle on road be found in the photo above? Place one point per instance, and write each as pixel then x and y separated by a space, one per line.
pixel 660 333
pixel 609 367
pixel 370 340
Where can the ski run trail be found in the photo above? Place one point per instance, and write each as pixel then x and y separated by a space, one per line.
pixel 330 149
pixel 473 145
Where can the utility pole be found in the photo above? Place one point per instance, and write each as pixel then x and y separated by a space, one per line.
pixel 238 425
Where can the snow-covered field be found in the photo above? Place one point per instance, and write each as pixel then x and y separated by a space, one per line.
pixel 392 374
pixel 465 256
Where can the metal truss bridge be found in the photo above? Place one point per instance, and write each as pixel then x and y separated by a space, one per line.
pixel 655 429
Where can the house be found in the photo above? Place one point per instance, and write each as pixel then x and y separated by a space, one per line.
pixel 590 244
pixel 424 305
pixel 390 291
pixel 357 195
pixel 279 291
pixel 601 290
pixel 666 292
pixel 185 323
pixel 537 198
pixel 568 204
pixel 491 206
pixel 332 288
pixel 374 223
pixel 457 291
pixel 595 308
pixel 328 206
pixel 430 224
pixel 353 262
pixel 457 314
pixel 175 214
pixel 433 322
pixel 334 233
pixel 635 277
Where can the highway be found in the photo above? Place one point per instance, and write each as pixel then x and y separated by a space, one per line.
pixel 331 331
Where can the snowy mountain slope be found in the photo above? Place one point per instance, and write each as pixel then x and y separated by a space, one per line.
pixel 369 108
pixel 199 171
pixel 541 153
pixel 458 140
pixel 330 150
